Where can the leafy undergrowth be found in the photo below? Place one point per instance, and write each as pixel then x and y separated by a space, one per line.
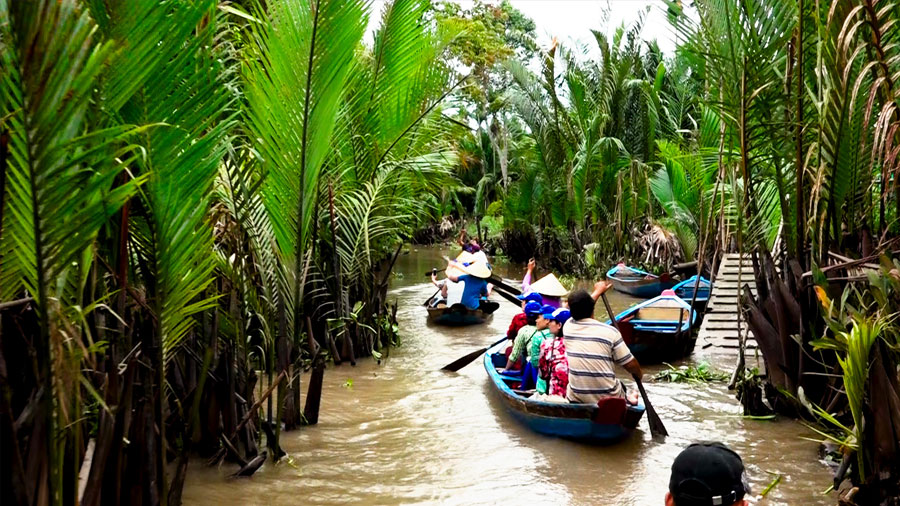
pixel 700 373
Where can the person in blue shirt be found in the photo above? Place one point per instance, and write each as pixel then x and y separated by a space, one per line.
pixel 474 277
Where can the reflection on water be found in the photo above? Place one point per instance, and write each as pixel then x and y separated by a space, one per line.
pixel 406 433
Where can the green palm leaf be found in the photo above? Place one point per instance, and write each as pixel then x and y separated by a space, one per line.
pixel 46 225
pixel 190 95
pixel 298 62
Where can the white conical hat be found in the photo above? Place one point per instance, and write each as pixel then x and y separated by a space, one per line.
pixel 549 285
pixel 467 263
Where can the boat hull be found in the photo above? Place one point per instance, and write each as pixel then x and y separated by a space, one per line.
pixel 565 420
pixel 645 289
pixel 459 315
pixel 686 290
pixel 637 282
pixel 657 347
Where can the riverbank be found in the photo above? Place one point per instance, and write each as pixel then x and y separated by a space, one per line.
pixel 404 432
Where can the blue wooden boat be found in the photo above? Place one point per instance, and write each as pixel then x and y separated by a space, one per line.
pixel 459 315
pixel 634 281
pixel 685 290
pixel 581 422
pixel 650 329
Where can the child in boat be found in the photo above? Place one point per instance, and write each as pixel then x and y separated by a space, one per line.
pixel 523 337
pixel 553 366
pixel 441 285
pixel 533 348
pixel 542 324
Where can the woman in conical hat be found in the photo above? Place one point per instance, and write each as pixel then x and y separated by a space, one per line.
pixel 473 273
pixel 549 287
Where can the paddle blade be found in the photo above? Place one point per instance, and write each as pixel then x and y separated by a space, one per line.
pixel 489 307
pixel 464 361
pixel 656 425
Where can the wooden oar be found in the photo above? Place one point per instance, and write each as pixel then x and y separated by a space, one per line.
pixel 429 298
pixel 505 293
pixel 468 359
pixel 497 282
pixel 656 425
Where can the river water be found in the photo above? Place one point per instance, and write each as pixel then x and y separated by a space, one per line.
pixel 403 432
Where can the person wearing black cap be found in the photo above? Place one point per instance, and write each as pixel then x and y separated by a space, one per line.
pixel 707 474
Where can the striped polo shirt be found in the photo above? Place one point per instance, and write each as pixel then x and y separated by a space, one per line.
pixel 593 349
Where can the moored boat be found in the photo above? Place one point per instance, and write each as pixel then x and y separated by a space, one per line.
pixel 612 422
pixel 634 281
pixel 458 315
pixel 686 290
pixel 651 328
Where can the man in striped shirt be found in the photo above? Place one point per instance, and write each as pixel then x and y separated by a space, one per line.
pixel 593 349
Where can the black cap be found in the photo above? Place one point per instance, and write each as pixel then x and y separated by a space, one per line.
pixel 707 474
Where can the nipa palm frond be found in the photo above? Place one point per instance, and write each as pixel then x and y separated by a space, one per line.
pixel 298 62
pixel 59 187
pixel 190 95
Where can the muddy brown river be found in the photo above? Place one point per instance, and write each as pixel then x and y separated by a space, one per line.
pixel 403 432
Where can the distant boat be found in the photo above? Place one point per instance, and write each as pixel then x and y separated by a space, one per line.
pixel 685 290
pixel 458 315
pixel 650 329
pixel 591 423
pixel 636 282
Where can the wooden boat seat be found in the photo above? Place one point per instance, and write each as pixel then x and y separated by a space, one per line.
pixel 661 314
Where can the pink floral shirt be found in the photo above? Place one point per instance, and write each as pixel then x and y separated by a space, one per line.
pixel 553 360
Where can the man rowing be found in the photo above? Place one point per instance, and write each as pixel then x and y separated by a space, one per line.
pixel 593 349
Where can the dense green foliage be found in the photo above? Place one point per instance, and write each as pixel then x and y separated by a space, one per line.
pixel 191 191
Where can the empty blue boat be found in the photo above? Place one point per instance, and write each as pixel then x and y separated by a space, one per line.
pixel 685 290
pixel 581 422
pixel 634 281
pixel 650 329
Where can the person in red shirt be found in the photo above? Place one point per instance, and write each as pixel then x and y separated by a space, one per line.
pixel 520 320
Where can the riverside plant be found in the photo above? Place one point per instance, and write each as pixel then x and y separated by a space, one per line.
pixel 699 373
pixel 190 192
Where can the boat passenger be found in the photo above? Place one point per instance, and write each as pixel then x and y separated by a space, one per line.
pixel 548 286
pixel 553 367
pixel 520 320
pixel 469 245
pixel 473 275
pixel 441 285
pixel 592 349
pixel 523 337
pixel 542 324
pixel 707 473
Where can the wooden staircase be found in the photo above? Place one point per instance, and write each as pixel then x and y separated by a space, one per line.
pixel 720 327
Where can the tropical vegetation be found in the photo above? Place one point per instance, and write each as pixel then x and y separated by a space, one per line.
pixel 195 192
pixel 191 192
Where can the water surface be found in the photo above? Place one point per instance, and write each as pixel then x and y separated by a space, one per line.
pixel 403 432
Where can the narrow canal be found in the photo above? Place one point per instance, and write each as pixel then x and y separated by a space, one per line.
pixel 404 432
